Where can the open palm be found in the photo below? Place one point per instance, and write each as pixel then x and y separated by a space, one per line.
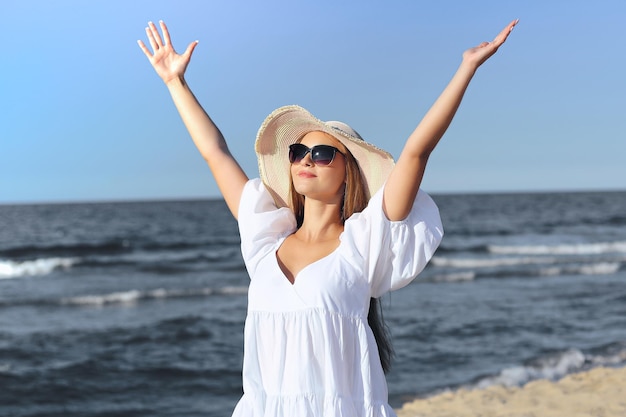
pixel 166 62
pixel 479 54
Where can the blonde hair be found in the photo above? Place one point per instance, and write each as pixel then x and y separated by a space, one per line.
pixel 355 199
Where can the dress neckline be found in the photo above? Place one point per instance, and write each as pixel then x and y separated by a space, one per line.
pixel 295 276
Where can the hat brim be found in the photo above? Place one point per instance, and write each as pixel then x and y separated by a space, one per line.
pixel 287 125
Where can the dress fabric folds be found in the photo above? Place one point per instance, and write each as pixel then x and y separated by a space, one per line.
pixel 308 349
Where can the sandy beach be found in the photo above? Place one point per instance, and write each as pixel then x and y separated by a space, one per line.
pixel 600 392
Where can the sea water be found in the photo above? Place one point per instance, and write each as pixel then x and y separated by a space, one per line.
pixel 135 309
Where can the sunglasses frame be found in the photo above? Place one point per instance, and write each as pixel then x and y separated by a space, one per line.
pixel 315 157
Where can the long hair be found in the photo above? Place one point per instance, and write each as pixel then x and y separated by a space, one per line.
pixel 355 200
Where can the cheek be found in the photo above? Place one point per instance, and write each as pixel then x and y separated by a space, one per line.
pixel 339 179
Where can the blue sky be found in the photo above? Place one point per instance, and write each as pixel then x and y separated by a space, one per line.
pixel 85 118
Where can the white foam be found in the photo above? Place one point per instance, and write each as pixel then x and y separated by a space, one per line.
pixel 125 297
pixel 159 293
pixel 489 262
pixel 552 367
pixel 132 296
pixel 617 358
pixel 234 290
pixel 44 266
pixel 573 249
pixel 455 277
pixel 600 268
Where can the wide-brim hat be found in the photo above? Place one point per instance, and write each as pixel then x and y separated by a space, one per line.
pixel 287 125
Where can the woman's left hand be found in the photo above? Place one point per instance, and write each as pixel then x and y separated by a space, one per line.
pixel 405 179
pixel 479 54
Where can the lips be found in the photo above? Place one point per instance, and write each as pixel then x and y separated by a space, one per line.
pixel 305 174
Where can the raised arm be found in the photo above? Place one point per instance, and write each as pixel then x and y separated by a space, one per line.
pixel 171 66
pixel 406 177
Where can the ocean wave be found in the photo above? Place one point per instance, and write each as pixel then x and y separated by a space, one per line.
pixel 447 247
pixel 67 250
pixel 489 262
pixel 613 354
pixel 166 261
pixel 616 220
pixel 14 269
pixel 462 270
pixel 550 367
pixel 134 296
pixel 155 262
pixel 453 277
pixel 570 249
pixel 554 367
pixel 5 368
pixel 115 247
pixel 600 268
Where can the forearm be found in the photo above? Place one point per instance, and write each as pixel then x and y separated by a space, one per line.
pixel 438 118
pixel 405 180
pixel 229 176
pixel 203 131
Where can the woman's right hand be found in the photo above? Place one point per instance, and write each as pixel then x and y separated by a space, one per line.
pixel 171 67
pixel 166 62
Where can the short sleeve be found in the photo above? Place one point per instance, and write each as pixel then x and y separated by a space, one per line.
pixel 261 223
pixel 394 252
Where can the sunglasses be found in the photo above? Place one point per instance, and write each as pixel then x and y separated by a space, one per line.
pixel 322 155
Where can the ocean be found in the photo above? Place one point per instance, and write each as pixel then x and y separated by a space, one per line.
pixel 137 308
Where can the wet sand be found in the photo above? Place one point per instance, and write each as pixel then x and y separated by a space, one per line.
pixel 600 392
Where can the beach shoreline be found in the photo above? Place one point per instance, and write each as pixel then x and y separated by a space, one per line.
pixel 597 392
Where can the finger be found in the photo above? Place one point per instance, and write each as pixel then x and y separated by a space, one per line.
pixel 499 40
pixel 153 43
pixel 155 34
pixel 190 49
pixel 144 49
pixel 166 33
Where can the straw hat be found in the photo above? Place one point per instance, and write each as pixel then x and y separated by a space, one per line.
pixel 287 125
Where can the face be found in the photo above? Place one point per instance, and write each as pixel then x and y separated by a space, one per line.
pixel 322 182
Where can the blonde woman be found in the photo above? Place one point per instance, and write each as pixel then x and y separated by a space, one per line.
pixel 331 225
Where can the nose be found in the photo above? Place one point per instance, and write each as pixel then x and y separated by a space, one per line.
pixel 307 161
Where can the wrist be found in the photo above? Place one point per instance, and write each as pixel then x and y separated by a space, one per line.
pixel 177 81
pixel 468 67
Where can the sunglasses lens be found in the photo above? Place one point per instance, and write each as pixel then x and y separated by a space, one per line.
pixel 297 151
pixel 322 154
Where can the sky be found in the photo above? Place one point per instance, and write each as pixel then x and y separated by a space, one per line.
pixel 84 117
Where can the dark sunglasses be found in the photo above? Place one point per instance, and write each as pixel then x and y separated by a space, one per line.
pixel 322 155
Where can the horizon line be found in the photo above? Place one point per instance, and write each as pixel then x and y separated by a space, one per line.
pixel 220 198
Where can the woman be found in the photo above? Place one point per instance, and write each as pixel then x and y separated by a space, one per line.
pixel 332 225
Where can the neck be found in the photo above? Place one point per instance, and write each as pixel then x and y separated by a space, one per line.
pixel 322 221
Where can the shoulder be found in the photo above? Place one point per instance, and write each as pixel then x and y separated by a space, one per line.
pixel 258 213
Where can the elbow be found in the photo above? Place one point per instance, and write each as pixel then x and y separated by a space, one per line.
pixel 422 154
pixel 395 212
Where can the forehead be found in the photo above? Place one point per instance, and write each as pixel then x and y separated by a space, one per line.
pixel 318 138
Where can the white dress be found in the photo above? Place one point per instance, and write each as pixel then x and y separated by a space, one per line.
pixel 308 350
